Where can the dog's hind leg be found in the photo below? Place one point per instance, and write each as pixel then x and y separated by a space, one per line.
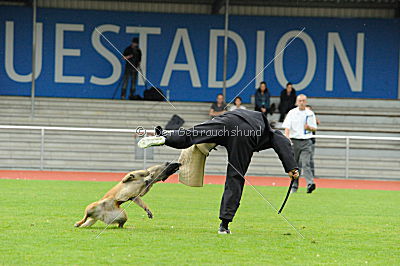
pixel 78 224
pixel 116 216
pixel 122 218
pixel 121 224
pixel 89 211
pixel 89 222
pixel 142 204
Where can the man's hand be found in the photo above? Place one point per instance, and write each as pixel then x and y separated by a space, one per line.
pixel 294 174
pixel 307 127
pixel 214 113
pixel 127 57
pixel 264 110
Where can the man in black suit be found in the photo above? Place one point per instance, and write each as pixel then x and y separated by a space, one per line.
pixel 241 132
pixel 133 56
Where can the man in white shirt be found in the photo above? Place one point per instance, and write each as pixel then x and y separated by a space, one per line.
pixel 299 125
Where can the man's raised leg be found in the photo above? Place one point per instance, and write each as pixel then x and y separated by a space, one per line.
pixel 207 132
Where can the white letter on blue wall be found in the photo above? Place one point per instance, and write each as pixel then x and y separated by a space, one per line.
pixel 260 57
pixel 311 59
pixel 181 36
pixel 109 56
pixel 60 52
pixel 9 53
pixel 334 43
pixel 143 32
pixel 212 59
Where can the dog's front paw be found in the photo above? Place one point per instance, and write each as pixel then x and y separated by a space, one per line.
pixel 77 224
pixel 149 214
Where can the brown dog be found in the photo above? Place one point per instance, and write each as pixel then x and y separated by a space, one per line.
pixel 133 186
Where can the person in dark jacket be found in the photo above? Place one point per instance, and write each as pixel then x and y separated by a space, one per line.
pixel 287 101
pixel 242 132
pixel 133 56
pixel 262 98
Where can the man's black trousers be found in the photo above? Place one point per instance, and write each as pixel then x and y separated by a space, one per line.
pixel 132 74
pixel 240 150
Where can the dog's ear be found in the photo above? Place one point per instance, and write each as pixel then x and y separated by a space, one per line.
pixel 128 177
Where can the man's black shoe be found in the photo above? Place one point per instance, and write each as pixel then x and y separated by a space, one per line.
pixel 158 130
pixel 223 231
pixel 310 188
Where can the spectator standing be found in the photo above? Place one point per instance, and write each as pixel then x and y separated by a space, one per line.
pixel 262 98
pixel 287 101
pixel 218 107
pixel 299 125
pixel 133 56
pixel 237 104
pixel 312 165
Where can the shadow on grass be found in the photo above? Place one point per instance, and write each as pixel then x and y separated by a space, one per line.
pixel 100 228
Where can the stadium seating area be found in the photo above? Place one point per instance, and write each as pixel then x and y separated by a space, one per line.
pixel 102 151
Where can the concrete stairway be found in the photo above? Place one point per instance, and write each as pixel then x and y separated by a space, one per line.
pixel 101 151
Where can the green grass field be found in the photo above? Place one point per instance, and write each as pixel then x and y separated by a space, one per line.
pixel 340 226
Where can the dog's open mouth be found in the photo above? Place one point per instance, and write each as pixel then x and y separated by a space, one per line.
pixel 170 169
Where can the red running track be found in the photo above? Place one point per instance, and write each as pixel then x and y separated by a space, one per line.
pixel 209 179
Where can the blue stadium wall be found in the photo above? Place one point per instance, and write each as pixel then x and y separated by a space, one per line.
pixel 357 58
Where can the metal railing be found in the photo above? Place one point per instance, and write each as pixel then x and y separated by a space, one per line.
pixel 85 129
pixel 43 129
pixel 348 138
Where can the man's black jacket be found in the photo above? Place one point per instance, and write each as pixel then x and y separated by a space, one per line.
pixel 269 138
pixel 136 57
